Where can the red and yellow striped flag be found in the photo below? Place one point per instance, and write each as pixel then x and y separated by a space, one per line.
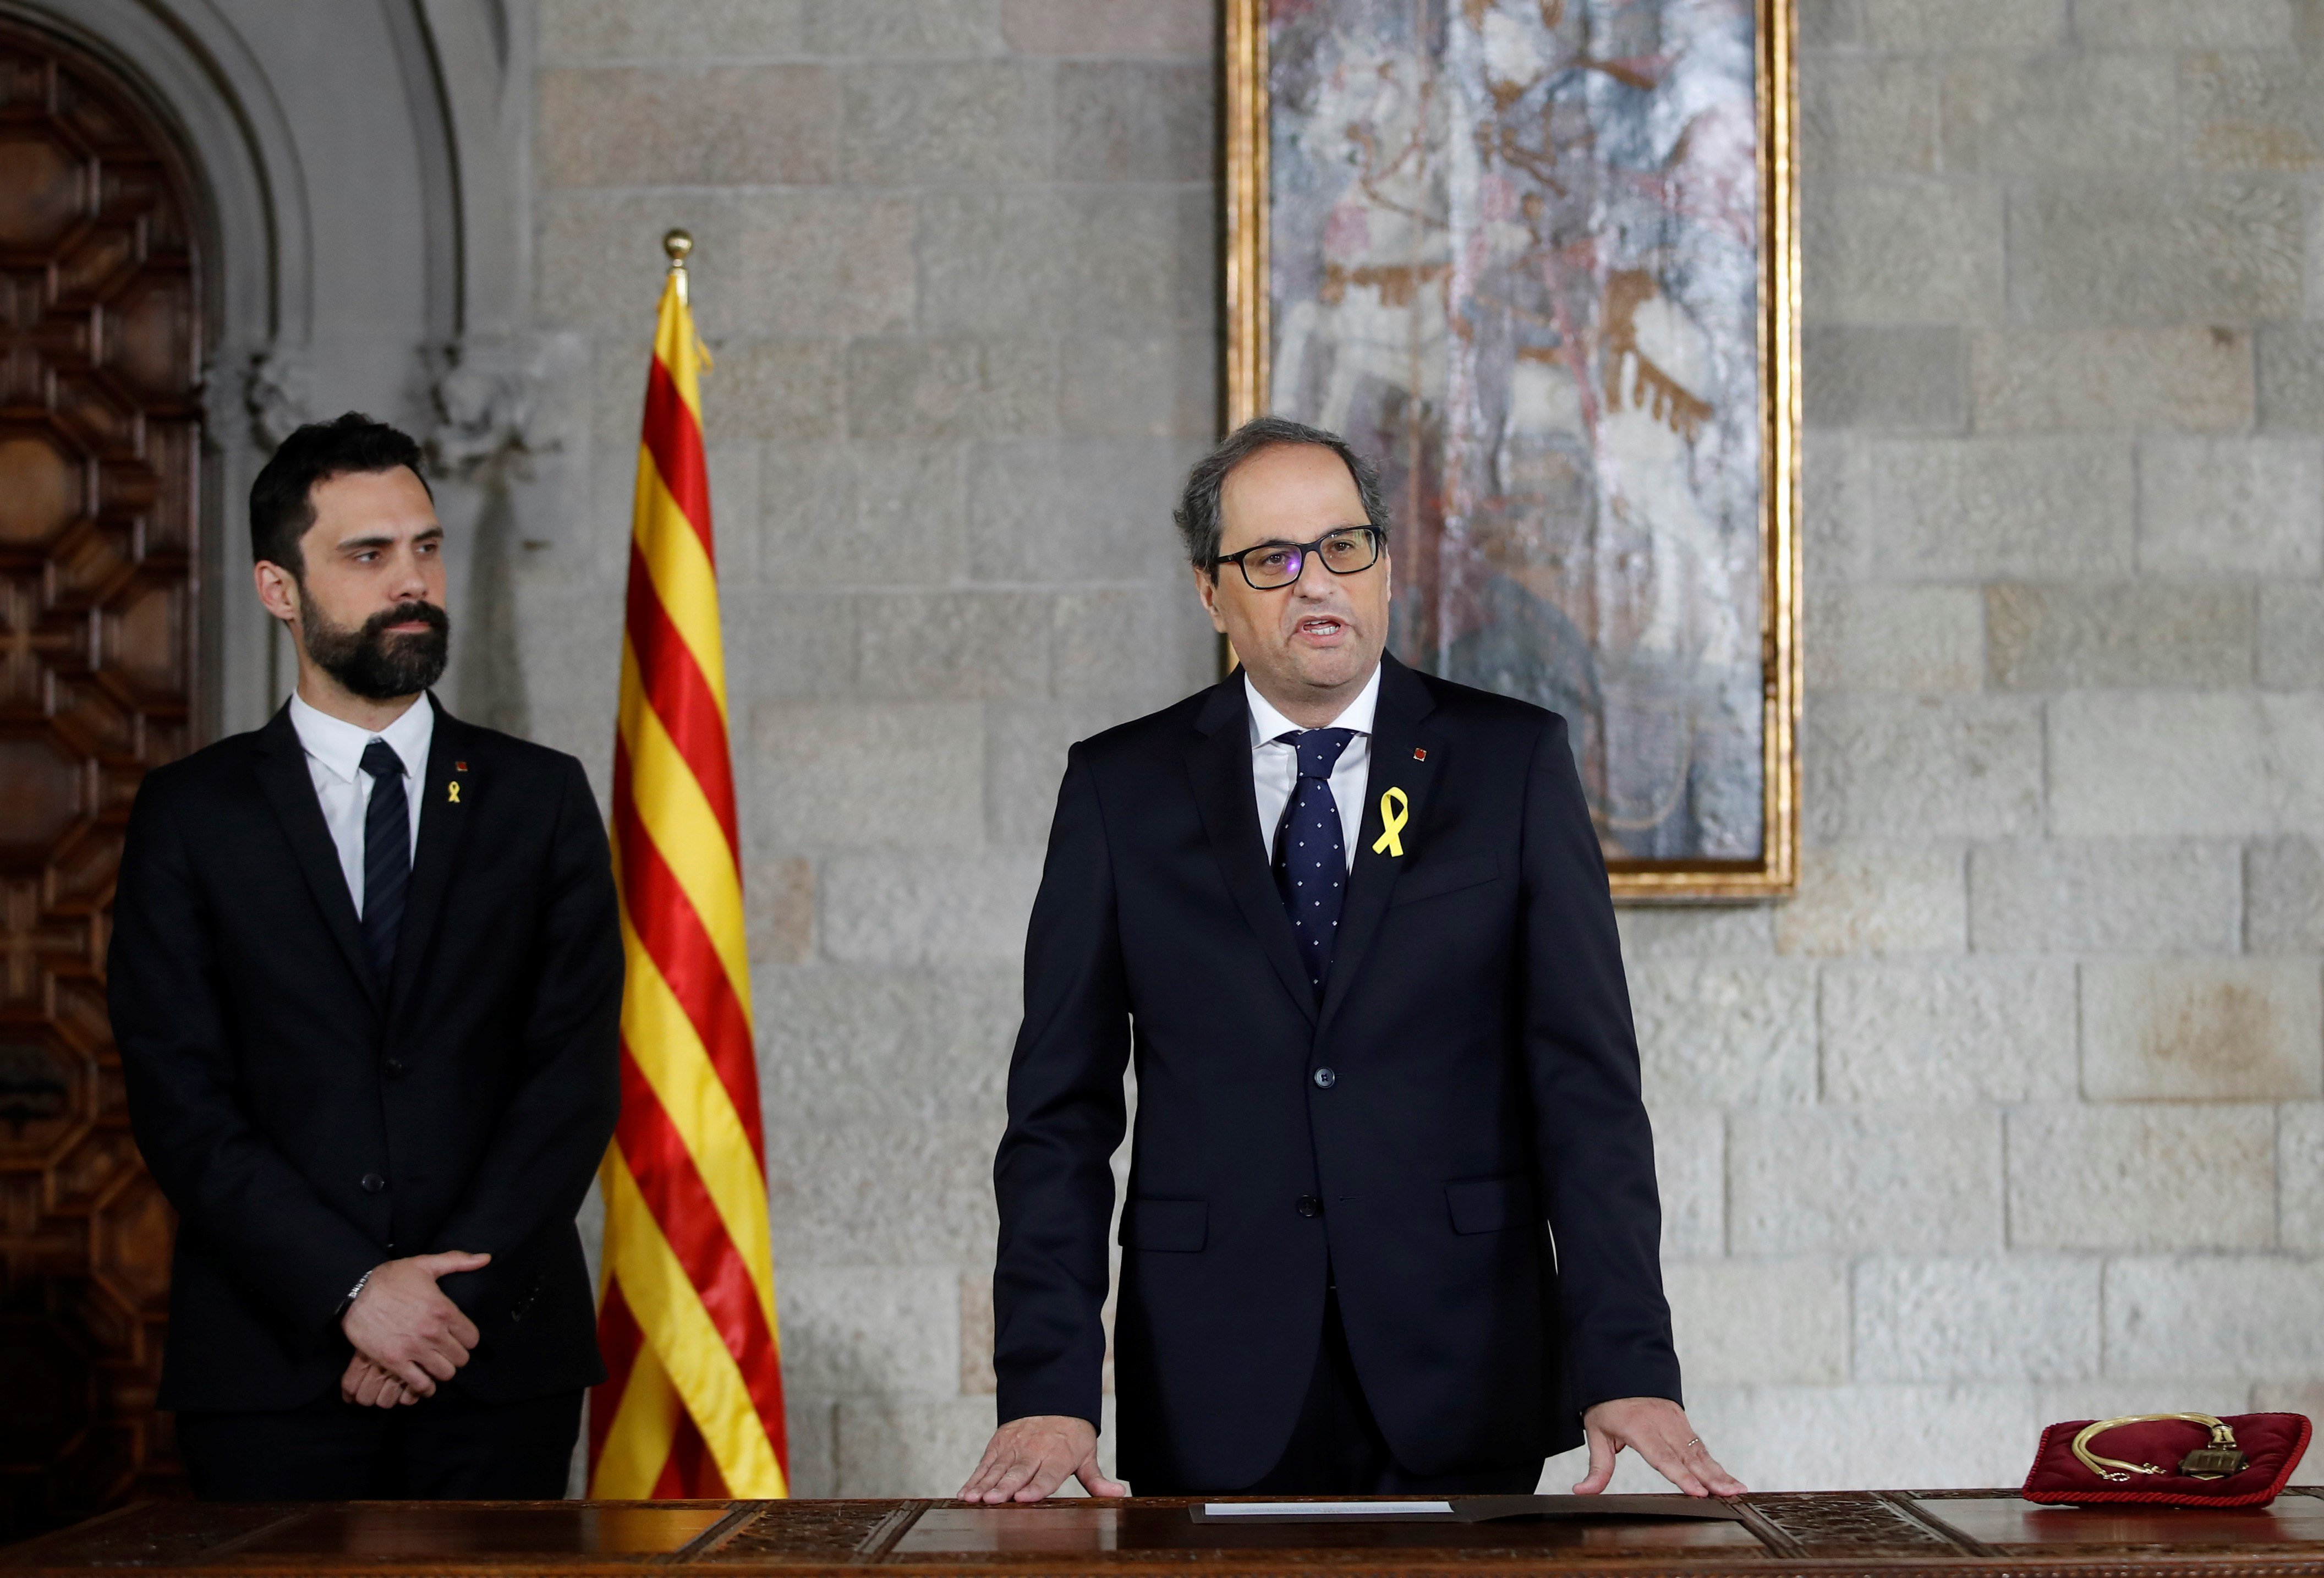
pixel 693 1405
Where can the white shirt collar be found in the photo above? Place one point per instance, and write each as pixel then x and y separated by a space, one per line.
pixel 1267 723
pixel 338 745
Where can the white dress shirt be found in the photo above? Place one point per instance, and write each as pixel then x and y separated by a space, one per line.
pixel 1275 764
pixel 334 751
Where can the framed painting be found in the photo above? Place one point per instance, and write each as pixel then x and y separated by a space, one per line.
pixel 1540 259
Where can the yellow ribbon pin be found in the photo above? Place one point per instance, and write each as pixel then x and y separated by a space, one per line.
pixel 1395 812
pixel 455 787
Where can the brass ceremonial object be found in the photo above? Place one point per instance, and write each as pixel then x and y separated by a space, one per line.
pixel 2214 1461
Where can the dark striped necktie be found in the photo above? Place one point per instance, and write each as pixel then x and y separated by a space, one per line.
pixel 387 856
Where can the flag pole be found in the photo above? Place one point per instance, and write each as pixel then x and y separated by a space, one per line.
pixel 692 1406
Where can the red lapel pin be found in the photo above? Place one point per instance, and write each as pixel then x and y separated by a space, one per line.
pixel 1418 754
pixel 459 767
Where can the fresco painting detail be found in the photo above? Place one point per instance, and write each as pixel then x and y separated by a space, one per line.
pixel 1522 250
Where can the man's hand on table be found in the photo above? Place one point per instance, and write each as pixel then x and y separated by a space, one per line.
pixel 1656 1428
pixel 1028 1458
pixel 405 1327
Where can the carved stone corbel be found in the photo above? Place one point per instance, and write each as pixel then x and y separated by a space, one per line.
pixel 487 397
pixel 277 393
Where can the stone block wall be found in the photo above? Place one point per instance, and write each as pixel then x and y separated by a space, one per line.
pixel 2015 1113
pixel 955 263
pixel 2039 1146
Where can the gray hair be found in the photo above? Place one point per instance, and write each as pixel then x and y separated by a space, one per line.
pixel 1198 514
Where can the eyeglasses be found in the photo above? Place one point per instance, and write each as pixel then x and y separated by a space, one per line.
pixel 1342 552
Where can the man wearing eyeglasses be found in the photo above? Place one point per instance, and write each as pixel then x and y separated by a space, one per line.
pixel 1392 1225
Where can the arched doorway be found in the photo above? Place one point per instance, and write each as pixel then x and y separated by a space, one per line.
pixel 101 346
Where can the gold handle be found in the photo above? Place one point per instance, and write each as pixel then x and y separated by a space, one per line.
pixel 2223 1440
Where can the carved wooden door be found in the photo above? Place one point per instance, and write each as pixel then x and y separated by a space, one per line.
pixel 99 366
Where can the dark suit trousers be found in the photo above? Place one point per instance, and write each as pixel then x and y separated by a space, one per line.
pixel 1336 1448
pixel 446 1447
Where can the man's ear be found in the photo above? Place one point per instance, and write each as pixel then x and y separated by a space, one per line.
pixel 277 589
pixel 1206 588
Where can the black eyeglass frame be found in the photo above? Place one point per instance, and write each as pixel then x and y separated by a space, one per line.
pixel 1379 536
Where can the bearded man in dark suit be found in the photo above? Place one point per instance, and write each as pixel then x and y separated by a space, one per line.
pixel 365 979
pixel 1392 1223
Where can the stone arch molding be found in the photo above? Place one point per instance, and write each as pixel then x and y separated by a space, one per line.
pixel 365 236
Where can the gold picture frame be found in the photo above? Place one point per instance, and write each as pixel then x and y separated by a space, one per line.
pixel 1250 345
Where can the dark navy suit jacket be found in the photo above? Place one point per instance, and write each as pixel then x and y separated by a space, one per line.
pixel 1478 1149
pixel 309 1120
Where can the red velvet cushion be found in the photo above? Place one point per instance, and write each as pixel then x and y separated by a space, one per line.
pixel 2273 1442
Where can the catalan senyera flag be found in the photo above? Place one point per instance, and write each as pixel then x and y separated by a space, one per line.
pixel 693 1405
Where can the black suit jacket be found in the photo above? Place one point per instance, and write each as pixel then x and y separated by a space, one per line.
pixel 309 1121
pixel 1482 1096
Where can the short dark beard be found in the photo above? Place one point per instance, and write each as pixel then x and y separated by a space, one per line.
pixel 371 663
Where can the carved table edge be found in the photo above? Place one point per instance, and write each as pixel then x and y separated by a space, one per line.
pixel 1906 1505
pixel 1786 1551
pixel 31 1555
pixel 2242 1564
pixel 1430 1564
pixel 717 1533
pixel 225 1547
pixel 1779 1541
pixel 888 1531
pixel 71 1530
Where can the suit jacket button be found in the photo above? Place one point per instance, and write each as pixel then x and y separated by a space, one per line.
pixel 1326 1079
pixel 393 1065
pixel 1308 1206
pixel 373 1182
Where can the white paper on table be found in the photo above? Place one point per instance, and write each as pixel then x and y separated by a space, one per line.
pixel 1322 1509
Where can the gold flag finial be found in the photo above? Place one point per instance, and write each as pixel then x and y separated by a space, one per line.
pixel 680 245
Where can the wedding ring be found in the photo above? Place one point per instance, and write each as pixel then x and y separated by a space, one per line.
pixel 1694 1441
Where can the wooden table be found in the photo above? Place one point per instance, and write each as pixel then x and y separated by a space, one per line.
pixel 1951 1532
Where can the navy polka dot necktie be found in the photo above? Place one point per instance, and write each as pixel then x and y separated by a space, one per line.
pixel 1311 859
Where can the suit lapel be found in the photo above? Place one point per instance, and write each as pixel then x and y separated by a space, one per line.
pixel 280 763
pixel 1219 764
pixel 1397 730
pixel 443 832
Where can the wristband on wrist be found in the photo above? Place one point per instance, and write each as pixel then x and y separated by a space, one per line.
pixel 356 1292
